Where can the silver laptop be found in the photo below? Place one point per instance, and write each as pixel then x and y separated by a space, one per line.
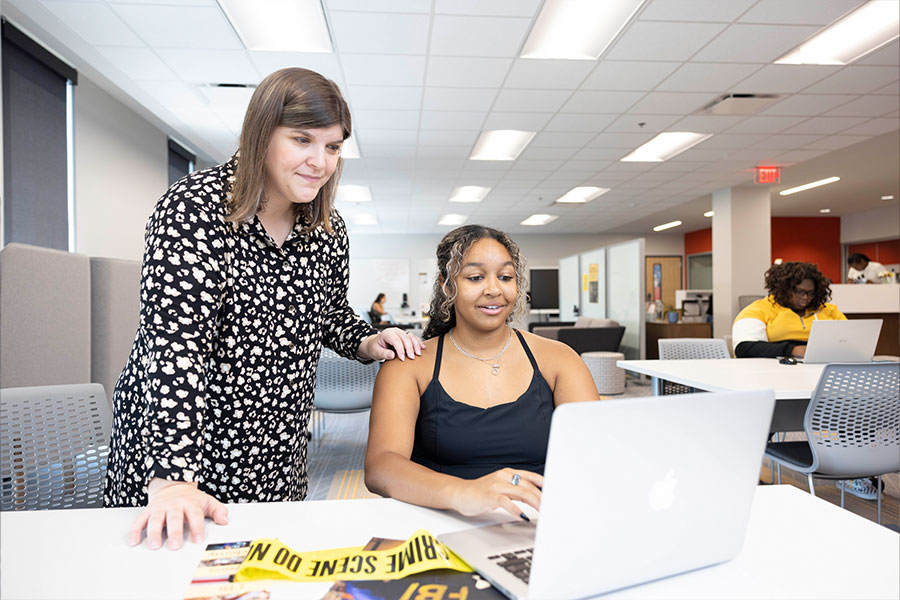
pixel 842 341
pixel 634 490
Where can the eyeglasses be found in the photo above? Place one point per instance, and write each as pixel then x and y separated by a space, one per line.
pixel 804 293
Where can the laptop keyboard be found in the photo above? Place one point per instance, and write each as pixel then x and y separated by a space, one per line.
pixel 518 563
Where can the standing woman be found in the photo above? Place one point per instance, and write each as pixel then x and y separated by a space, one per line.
pixel 244 278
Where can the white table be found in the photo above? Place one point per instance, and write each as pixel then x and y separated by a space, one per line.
pixel 793 384
pixel 797 546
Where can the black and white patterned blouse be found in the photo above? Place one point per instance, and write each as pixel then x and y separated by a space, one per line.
pixel 219 384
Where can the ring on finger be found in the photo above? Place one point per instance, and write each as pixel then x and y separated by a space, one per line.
pixel 516 479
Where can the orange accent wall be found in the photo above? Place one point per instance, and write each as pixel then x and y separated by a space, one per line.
pixel 698 242
pixel 809 239
pixel 887 252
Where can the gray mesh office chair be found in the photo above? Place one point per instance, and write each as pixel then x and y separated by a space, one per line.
pixel 852 426
pixel 342 386
pixel 54 443
pixel 688 349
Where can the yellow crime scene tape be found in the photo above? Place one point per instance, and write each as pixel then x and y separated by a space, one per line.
pixel 272 559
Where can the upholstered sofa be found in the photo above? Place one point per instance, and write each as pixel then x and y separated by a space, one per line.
pixel 585 334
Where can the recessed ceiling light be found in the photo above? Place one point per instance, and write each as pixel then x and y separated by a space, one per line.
pixel 578 30
pixel 665 146
pixel 539 219
pixel 350 149
pixel 668 225
pixel 278 26
pixel 501 144
pixel 862 31
pixel 808 186
pixel 887 197
pixel 580 195
pixel 452 219
pixel 469 193
pixel 364 219
pixel 824 211
pixel 353 193
pixel 709 213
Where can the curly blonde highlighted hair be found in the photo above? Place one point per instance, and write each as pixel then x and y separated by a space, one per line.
pixel 451 254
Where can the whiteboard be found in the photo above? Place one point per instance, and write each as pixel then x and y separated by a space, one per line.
pixel 372 276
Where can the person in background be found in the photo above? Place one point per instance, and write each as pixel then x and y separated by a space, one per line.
pixel 244 278
pixel 779 324
pixel 467 427
pixel 377 311
pixel 863 270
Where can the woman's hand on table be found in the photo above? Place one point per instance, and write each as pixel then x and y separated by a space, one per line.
pixel 497 490
pixel 389 344
pixel 798 351
pixel 169 505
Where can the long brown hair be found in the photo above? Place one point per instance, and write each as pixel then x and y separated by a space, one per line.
pixel 297 98
pixel 451 252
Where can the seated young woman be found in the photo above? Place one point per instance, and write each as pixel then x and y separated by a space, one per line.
pixel 465 427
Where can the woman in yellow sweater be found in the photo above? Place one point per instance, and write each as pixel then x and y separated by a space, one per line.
pixel 778 325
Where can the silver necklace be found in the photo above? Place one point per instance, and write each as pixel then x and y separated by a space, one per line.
pixel 495 367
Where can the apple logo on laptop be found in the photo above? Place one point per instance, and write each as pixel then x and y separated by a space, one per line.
pixel 662 493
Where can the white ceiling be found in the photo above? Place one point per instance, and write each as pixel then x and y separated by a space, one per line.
pixel 424 77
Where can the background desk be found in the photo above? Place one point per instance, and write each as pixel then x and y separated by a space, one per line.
pixel 797 546
pixel 793 384
pixel 657 330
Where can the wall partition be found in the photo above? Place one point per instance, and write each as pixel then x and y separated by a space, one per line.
pixel 625 294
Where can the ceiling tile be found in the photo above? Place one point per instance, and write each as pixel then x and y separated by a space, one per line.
pixel 888 55
pixel 637 123
pixel 397 33
pixel 372 69
pixel 798 156
pixel 175 95
pixel 891 89
pixel 180 26
pixel 787 141
pixel 405 6
pixel 620 140
pixel 579 122
pixel 325 64
pixel 139 64
pixel 466 72
pixel 874 126
pixel 451 119
pixel 807 105
pixel 388 136
pixel 210 66
pixel 655 40
pixel 765 124
pixel 602 154
pixel 522 121
pixel 672 103
pixel 776 79
pixel 705 77
pixel 497 8
pixel 628 75
pixel 754 43
pixel 531 100
pixel 601 102
pixel 484 36
pixel 826 125
pixel 385 97
pixel 96 23
pixel 386 119
pixel 798 12
pixel 707 123
pixel 550 74
pixel 561 140
pixel 734 140
pixel 455 137
pixel 856 80
pixel 443 98
pixel 390 150
pixel 866 106
pixel 695 10
pixel 835 142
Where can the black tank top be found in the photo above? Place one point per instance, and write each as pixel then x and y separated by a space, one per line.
pixel 469 442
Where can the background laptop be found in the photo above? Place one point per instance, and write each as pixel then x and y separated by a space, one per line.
pixel 842 341
pixel 634 490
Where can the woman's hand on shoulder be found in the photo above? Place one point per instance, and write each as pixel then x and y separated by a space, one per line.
pixel 169 504
pixel 391 343
pixel 497 490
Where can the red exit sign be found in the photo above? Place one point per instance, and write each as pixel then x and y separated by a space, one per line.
pixel 767 175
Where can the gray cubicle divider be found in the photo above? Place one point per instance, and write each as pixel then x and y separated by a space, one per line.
pixel 625 293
